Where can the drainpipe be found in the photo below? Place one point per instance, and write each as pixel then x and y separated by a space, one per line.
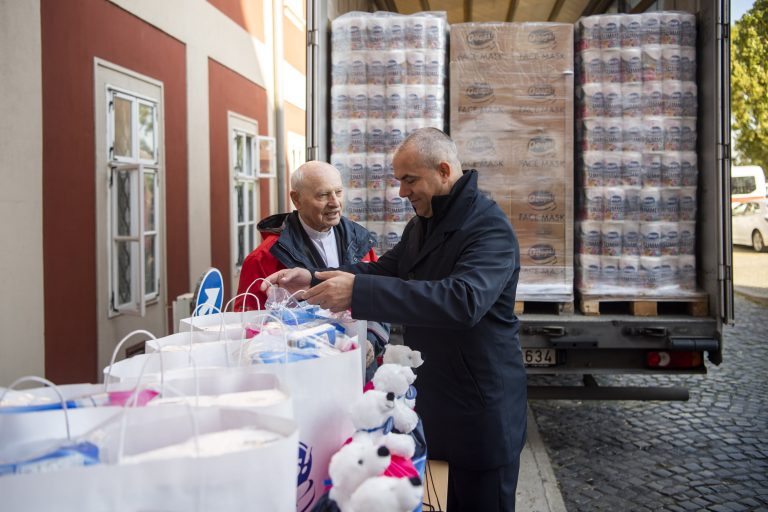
pixel 277 55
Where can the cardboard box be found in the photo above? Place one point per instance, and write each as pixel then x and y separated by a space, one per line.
pixel 507 101
pixel 511 111
pixel 542 47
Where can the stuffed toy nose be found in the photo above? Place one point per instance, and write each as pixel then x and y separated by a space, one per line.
pixel 383 451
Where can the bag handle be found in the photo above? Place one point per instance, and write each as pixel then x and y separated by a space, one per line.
pixel 41 380
pixel 117 349
pixel 242 312
pixel 221 331
pixel 249 289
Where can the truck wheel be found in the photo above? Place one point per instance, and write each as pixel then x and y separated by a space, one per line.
pixel 757 242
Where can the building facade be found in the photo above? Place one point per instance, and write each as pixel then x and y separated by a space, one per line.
pixel 141 142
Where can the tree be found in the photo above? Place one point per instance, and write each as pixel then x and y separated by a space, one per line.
pixel 749 86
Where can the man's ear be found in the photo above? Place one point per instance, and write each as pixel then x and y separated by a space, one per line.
pixel 444 168
pixel 295 198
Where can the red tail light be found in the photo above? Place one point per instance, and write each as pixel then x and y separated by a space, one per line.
pixel 665 359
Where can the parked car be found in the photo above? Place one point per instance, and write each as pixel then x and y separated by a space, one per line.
pixel 750 224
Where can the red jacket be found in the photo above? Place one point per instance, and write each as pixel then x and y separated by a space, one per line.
pixel 284 246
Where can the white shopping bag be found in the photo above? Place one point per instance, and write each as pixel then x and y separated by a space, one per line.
pixel 255 478
pixel 22 427
pixel 322 390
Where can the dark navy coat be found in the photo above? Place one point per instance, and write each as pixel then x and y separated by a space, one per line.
pixel 453 290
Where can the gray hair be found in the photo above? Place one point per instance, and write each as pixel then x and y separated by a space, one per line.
pixel 433 146
pixel 297 176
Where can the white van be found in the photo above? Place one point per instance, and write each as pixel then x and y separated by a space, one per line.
pixel 747 183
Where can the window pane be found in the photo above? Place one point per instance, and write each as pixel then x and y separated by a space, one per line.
pixel 146 132
pixel 249 156
pixel 240 245
pixel 250 201
pixel 149 201
pixel 123 272
pixel 743 185
pixel 267 162
pixel 123 206
pixel 150 265
pixel 238 154
pixel 122 129
pixel 240 206
pixel 251 242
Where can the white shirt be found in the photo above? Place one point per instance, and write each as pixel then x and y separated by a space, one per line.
pixel 325 242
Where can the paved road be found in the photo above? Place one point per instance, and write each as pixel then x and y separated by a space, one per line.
pixel 710 453
pixel 750 271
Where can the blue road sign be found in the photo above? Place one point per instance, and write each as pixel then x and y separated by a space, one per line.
pixel 209 295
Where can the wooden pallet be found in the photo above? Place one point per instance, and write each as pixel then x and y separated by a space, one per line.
pixel 551 308
pixel 595 305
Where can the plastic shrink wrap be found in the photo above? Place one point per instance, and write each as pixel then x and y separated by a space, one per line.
pixel 388 74
pixel 636 172
pixel 511 116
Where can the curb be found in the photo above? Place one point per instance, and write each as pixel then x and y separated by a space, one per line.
pixel 759 295
pixel 537 489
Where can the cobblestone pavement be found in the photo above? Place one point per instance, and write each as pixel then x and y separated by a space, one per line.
pixel 710 453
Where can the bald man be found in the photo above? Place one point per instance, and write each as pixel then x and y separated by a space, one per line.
pixel 314 236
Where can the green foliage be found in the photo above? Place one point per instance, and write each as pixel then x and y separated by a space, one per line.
pixel 749 86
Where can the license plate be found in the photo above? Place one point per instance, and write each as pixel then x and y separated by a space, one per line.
pixel 539 356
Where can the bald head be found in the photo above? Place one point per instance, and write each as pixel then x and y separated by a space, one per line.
pixel 312 169
pixel 317 193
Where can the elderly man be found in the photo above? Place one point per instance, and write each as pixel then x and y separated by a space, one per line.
pixel 314 236
pixel 451 282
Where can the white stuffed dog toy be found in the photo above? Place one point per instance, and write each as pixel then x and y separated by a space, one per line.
pixel 387 494
pixel 352 465
pixel 374 418
pixel 402 355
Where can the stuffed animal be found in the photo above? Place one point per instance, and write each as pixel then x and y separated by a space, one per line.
pixel 374 418
pixel 387 494
pixel 352 465
pixel 393 377
pixel 398 379
pixel 402 355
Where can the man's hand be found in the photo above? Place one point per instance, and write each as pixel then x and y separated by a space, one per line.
pixel 334 293
pixel 292 279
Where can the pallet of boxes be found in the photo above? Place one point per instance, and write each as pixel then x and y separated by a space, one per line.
pixel 511 115
pixel 637 169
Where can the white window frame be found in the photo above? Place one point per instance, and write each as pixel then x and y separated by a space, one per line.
pixel 297 150
pixel 139 168
pixel 248 128
pixel 239 125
